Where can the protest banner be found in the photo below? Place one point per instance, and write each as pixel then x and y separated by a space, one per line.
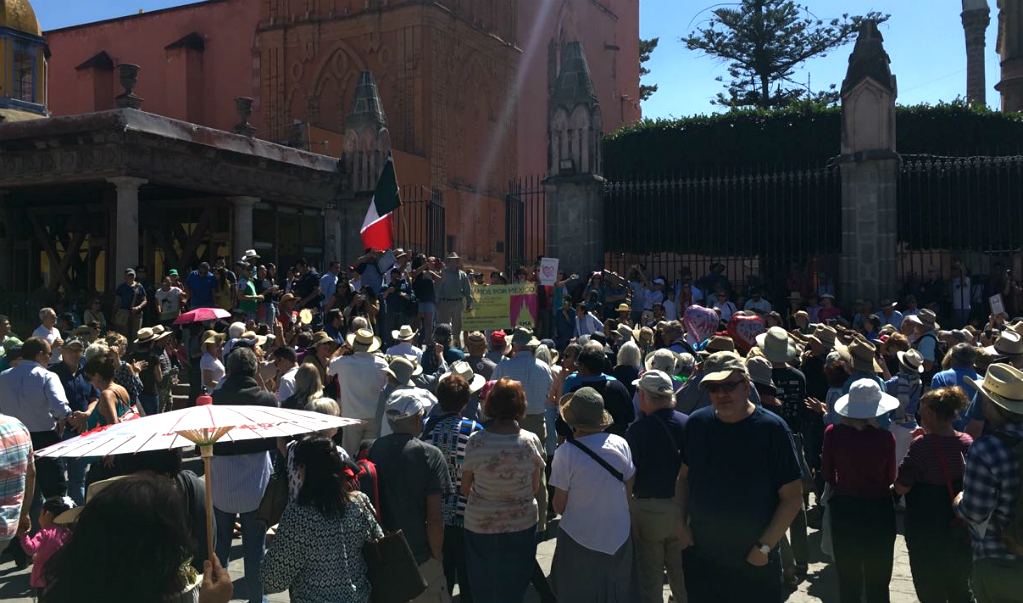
pixel 501 307
pixel 548 271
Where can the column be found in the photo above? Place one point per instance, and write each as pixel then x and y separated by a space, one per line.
pixel 975 22
pixel 241 234
pixel 332 237
pixel 575 222
pixel 126 219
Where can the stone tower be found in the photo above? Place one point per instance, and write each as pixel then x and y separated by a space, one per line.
pixel 1010 49
pixel 976 16
pixel 870 168
pixel 575 121
pixel 367 139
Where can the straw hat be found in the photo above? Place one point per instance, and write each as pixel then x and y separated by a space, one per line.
pixel 320 338
pixel 623 308
pixel 1003 386
pixel 71 515
pixel 145 335
pixel 463 369
pixel 777 345
pixel 403 369
pixel 584 409
pixel 625 332
pixel 287 297
pixel 912 359
pixel 865 400
pixel 405 333
pixel 1009 343
pixel 363 340
pixel 928 318
pixel 215 338
pixel 863 360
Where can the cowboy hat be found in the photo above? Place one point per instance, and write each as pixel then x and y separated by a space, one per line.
pixel 863 359
pixel 928 318
pixel 912 359
pixel 523 337
pixel 249 254
pixel 623 307
pixel 403 369
pixel 320 338
pixel 287 297
pixel 584 409
pixel 363 340
pixel 865 400
pixel 887 303
pixel 1002 386
pixel 777 345
pixel 1009 343
pixel 145 335
pixel 625 332
pixel 719 343
pixel 69 516
pixel 463 369
pixel 405 333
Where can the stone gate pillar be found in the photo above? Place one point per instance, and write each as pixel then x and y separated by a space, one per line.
pixel 241 235
pixel 332 237
pixel 126 237
pixel 575 189
pixel 870 169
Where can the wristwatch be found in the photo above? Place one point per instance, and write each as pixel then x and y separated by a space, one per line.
pixel 763 548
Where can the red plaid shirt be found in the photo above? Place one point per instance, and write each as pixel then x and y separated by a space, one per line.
pixel 15 450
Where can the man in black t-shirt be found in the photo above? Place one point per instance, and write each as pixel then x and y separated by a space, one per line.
pixel 738 489
pixel 307 289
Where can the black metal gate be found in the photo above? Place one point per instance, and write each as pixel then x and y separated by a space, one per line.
pixel 420 220
pixel 525 223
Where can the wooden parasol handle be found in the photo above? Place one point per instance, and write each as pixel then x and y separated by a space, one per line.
pixel 207 456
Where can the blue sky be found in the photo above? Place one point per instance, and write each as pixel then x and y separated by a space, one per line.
pixel 924 38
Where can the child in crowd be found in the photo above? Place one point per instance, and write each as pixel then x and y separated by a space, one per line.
pixel 48 539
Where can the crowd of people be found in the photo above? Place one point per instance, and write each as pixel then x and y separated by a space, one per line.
pixel 662 433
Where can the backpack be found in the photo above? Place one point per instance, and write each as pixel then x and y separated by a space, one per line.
pixel 362 476
pixel 1012 532
pixel 940 349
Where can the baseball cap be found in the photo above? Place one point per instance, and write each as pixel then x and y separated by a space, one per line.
pixel 129 271
pixel 655 382
pixel 720 366
pixel 498 338
pixel 406 403
pixel 172 272
pixel 75 343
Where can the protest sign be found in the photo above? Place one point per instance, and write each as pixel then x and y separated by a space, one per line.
pixel 548 271
pixel 501 307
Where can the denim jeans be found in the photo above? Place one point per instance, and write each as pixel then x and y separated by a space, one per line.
pixel 253 541
pixel 150 404
pixel 76 470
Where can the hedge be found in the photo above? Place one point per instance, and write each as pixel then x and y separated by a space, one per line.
pixel 805 134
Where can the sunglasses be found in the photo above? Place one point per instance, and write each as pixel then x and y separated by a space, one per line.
pixel 723 387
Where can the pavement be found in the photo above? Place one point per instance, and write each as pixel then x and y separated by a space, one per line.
pixel 820 584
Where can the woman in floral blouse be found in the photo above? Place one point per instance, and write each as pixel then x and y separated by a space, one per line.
pixel 317 551
pixel 500 476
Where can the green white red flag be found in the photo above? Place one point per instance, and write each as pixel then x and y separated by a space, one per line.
pixel 378 227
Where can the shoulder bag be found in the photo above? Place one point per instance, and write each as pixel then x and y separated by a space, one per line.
pixel 593 455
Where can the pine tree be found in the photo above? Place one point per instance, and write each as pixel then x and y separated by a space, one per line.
pixel 763 42
pixel 646 48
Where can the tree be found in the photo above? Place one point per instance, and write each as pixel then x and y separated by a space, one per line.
pixel 764 42
pixel 646 48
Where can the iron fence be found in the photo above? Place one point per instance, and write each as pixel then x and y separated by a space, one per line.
pixel 780 229
pixel 525 222
pixel 419 224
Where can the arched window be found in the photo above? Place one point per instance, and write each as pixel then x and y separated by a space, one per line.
pixel 24 74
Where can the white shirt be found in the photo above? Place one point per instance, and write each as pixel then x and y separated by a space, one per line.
pixel 209 362
pixel 726 309
pixel 406 348
pixel 362 378
pixel 763 306
pixel 50 335
pixel 961 294
pixel 169 302
pixel 597 515
pixel 286 384
pixel 587 324
pixel 670 310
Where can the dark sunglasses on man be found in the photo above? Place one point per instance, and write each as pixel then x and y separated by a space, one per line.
pixel 723 386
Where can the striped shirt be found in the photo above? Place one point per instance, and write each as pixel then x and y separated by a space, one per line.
pixel 15 450
pixel 990 487
pixel 923 462
pixel 450 434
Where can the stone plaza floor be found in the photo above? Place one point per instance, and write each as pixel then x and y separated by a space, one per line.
pixel 820 585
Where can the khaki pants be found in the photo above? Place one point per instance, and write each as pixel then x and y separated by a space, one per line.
pixel 355 434
pixel 657 548
pixel 537 425
pixel 450 312
pixel 436 585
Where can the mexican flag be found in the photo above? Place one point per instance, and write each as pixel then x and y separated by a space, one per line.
pixel 378 227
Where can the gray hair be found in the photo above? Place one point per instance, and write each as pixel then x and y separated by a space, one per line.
pixel 43 313
pixel 629 355
pixel 241 362
pixel 324 406
pixel 686 364
pixel 406 425
pixel 963 354
pixel 96 349
pixel 658 400
pixel 235 330
pixel 544 353
pixel 359 322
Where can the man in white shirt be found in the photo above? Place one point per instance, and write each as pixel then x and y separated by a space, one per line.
pixel 286 362
pixel 757 303
pixel 362 376
pixel 404 336
pixel 47 331
pixel 961 294
pixel 168 301
pixel 724 306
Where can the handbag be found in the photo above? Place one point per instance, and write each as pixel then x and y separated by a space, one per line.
pixel 121 318
pixel 393 573
pixel 275 499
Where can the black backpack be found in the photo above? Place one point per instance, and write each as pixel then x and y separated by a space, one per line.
pixel 940 349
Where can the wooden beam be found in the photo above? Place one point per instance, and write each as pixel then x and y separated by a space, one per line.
pixel 44 240
pixel 188 249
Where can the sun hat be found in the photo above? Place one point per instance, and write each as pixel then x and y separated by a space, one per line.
pixel 761 374
pixel 913 319
pixel 863 359
pixel 795 295
pixel 145 335
pixel 287 297
pixel 826 336
pixel 405 403
pixel 623 307
pixel 720 343
pixel 320 338
pixel 912 359
pixel 827 296
pixel 405 333
pixel 625 332
pixel 463 369
pixel 928 318
pixel 71 515
pixel 250 254
pixel 777 346
pixel 720 366
pixel 865 400
pixel 403 369
pixel 584 409
pixel 1003 386
pixel 523 337
pixel 1009 343
pixel 259 339
pixel 363 340
pixel 655 382
pixel 452 256
pixel 661 360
